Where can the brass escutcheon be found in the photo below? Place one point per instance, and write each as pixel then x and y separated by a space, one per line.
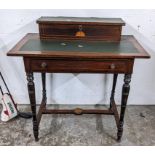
pixel 80 33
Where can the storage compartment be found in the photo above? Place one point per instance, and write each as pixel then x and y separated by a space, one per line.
pixel 99 29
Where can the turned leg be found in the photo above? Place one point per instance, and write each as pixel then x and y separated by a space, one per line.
pixel 113 89
pixel 125 93
pixel 44 98
pixel 31 91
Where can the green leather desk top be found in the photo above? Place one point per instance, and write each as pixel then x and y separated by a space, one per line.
pixel 79 46
pixel 32 46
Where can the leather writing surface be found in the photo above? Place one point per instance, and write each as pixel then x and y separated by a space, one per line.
pixel 81 46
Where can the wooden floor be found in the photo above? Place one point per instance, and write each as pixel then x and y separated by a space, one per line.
pixel 139 129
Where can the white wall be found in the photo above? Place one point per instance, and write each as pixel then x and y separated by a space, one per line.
pixel 79 88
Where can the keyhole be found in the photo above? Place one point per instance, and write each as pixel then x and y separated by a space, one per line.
pixel 80 27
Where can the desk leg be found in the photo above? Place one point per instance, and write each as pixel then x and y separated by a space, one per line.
pixel 31 91
pixel 125 93
pixel 113 90
pixel 43 75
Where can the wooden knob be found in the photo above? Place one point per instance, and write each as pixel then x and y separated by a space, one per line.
pixel 112 66
pixel 78 111
pixel 43 65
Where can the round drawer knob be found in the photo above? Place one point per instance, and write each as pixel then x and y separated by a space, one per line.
pixel 112 66
pixel 43 65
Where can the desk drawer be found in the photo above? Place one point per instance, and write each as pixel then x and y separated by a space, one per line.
pixel 79 66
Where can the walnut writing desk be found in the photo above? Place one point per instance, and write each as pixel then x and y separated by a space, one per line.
pixel 79 45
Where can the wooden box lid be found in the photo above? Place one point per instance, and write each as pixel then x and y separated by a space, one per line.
pixel 80 20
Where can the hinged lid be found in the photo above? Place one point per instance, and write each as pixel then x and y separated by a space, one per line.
pixel 80 20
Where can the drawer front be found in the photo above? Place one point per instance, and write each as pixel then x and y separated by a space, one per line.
pixel 100 32
pixel 79 66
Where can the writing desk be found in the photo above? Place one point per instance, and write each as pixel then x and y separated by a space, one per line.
pixel 62 55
